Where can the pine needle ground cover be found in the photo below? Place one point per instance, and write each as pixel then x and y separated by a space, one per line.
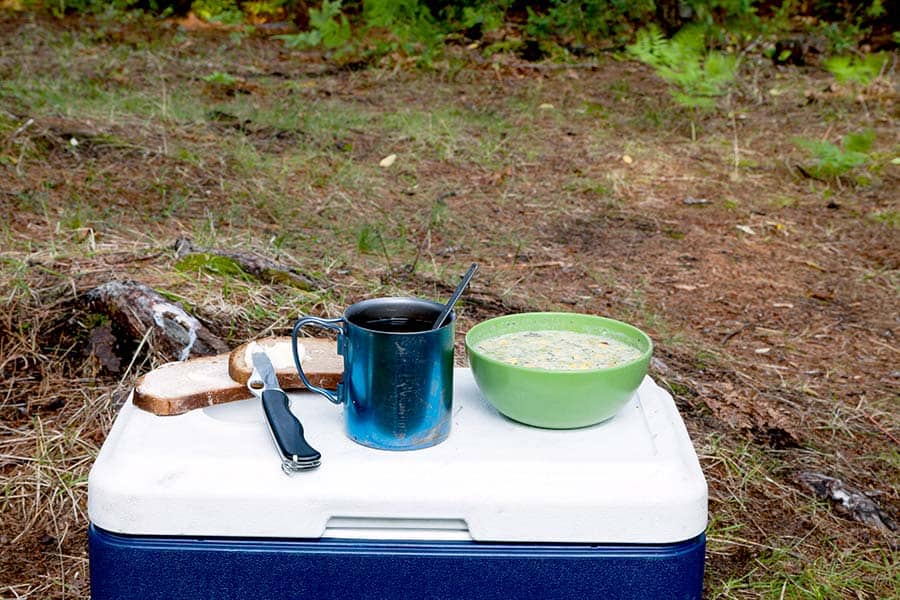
pixel 760 251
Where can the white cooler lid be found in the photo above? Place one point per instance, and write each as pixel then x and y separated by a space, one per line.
pixel 215 472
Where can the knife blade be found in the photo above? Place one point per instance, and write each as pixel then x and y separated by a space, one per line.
pixel 287 431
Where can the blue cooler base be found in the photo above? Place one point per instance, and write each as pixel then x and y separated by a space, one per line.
pixel 173 568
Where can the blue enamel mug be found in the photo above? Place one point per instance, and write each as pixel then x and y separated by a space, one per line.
pixel 397 388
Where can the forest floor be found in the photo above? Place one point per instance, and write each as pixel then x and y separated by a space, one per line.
pixel 769 285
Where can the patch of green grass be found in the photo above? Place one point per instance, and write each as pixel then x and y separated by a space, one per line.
pixel 741 465
pixel 127 81
pixel 284 155
pixel 255 312
pixel 325 122
pixel 720 533
pixel 854 572
pixel 638 310
pixel 621 90
pixel 8 124
pixel 596 110
pixel 587 185
pixel 369 239
pixel 76 98
pixel 891 218
pixel 784 202
pixel 891 458
pixel 16 274
pixel 651 117
pixel 449 133
pixel 72 222
pixel 315 124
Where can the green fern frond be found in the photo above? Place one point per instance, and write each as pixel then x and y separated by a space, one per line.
pixel 693 100
pixel 860 142
pixel 649 45
pixel 329 28
pixel 854 69
pixel 697 74
pixel 831 160
pixel 690 40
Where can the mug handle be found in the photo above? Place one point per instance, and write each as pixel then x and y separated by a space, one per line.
pixel 334 324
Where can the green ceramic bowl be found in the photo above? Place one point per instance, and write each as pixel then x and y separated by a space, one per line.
pixel 551 398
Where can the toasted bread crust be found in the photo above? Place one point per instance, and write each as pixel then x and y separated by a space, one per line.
pixel 182 404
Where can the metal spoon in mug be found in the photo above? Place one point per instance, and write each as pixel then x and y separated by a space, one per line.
pixel 456 294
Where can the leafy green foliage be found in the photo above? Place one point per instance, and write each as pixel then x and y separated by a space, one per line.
pixel 711 11
pixel 219 11
pixel 418 29
pixel 220 78
pixel 832 161
pixel 392 14
pixel 414 30
pixel 62 7
pixel 488 16
pixel 263 8
pixel 586 19
pixel 329 28
pixel 860 142
pixel 862 70
pixel 402 25
pixel 697 75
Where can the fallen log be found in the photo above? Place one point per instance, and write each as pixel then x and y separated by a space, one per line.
pixel 139 311
pixel 258 267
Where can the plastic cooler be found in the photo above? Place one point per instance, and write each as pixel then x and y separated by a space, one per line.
pixel 196 506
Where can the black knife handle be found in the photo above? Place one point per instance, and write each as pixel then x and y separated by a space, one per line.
pixel 286 429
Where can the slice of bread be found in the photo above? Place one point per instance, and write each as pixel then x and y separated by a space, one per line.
pixel 177 387
pixel 321 362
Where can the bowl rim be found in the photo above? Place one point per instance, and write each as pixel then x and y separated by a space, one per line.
pixel 645 356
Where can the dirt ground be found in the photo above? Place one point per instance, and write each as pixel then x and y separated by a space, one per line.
pixel 771 292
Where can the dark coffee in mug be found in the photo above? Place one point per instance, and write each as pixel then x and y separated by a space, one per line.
pixel 397 325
